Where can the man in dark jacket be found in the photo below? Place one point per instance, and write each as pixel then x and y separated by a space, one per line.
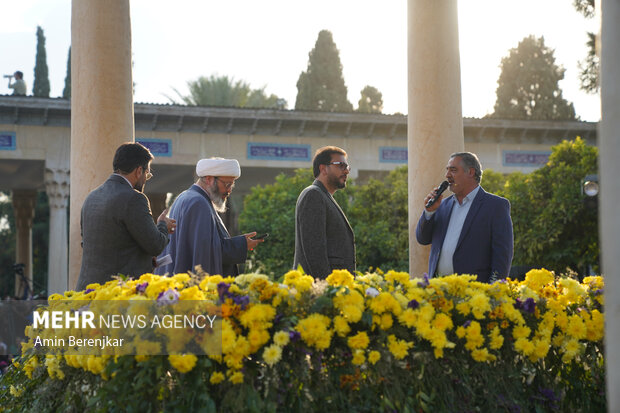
pixel 324 239
pixel 118 232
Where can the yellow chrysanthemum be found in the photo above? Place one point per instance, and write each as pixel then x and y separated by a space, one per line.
pixel 576 327
pixel 398 348
pixel 216 377
pixel 272 354
pixel 374 356
pixel 521 332
pixel 340 278
pixel 358 341
pixel 281 338
pixel 442 322
pixel 236 377
pixel 183 362
pixel 341 326
pixel 358 357
pixel 536 279
pixel 315 331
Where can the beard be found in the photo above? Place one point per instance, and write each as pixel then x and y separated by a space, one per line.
pixel 219 203
pixel 139 186
pixel 335 182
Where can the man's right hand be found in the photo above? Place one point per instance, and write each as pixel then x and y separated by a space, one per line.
pixel 433 207
pixel 171 224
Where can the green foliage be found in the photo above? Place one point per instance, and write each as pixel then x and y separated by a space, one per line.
pixel 378 214
pixel 271 209
pixel 321 86
pixel 41 86
pixel 66 92
pixel 371 100
pixel 589 67
pixel 528 84
pixel 224 91
pixel 552 225
pixel 493 182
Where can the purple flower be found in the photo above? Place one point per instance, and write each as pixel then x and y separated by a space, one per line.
pixel 529 305
pixel 424 282
pixel 413 304
pixel 466 323
pixel 242 301
pixel 141 288
pixel 598 292
pixel 294 335
pixel 168 297
pixel 222 290
pixel 89 290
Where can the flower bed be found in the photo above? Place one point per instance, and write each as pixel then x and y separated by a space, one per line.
pixel 373 342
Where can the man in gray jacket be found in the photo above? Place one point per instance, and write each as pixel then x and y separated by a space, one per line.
pixel 324 239
pixel 118 232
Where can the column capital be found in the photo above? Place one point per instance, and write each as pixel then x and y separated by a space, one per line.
pixel 24 201
pixel 57 187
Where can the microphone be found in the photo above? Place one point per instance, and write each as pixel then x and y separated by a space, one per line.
pixel 444 185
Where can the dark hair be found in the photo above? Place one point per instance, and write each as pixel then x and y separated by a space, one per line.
pixel 323 156
pixel 18 73
pixel 129 156
pixel 470 160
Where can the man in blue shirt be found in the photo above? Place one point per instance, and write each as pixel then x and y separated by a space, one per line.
pixel 470 232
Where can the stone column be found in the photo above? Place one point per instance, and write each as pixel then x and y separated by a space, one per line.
pixel 158 204
pixel 57 188
pixel 609 153
pixel 101 102
pixel 24 201
pixel 435 120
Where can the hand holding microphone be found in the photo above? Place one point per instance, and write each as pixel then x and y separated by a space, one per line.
pixel 435 196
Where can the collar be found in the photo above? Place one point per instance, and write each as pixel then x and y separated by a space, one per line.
pixel 470 196
pixel 126 180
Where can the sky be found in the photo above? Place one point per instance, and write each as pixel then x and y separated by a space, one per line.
pixel 266 44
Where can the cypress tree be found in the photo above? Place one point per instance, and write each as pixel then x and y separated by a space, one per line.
pixel 41 86
pixel 66 92
pixel 321 86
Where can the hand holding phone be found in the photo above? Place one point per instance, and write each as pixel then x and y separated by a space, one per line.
pixel 262 236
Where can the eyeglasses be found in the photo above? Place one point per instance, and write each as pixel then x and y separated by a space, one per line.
pixel 227 185
pixel 341 165
pixel 149 174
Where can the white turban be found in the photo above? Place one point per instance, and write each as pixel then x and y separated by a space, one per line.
pixel 218 167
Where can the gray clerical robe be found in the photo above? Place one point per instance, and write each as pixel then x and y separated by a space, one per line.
pixel 201 238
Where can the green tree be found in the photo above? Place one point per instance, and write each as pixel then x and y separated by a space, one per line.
pixel 528 84
pixel 226 91
pixel 271 208
pixel 588 67
pixel 41 86
pixel 66 92
pixel 378 213
pixel 321 86
pixel 553 226
pixel 371 100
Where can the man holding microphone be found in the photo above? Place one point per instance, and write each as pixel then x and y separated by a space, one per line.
pixel 470 232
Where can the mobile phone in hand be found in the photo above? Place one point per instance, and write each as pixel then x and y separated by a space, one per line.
pixel 262 236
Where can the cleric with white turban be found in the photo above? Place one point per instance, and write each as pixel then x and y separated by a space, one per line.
pixel 218 167
pixel 201 238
